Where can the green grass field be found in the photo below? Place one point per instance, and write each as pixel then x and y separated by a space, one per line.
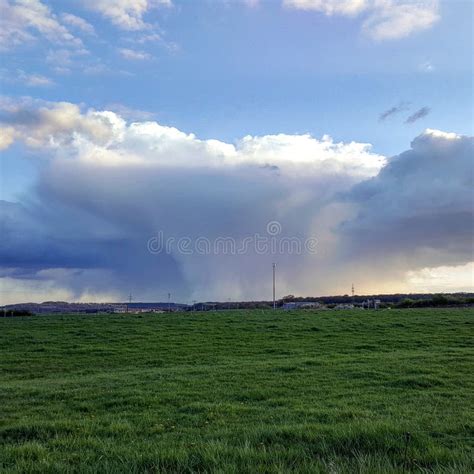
pixel 238 391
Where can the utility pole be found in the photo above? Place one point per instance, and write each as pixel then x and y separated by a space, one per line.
pixel 169 302
pixel 129 301
pixel 274 269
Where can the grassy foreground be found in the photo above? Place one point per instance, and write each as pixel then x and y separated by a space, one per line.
pixel 238 391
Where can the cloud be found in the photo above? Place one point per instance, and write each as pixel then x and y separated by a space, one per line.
pixel 55 125
pixel 383 19
pixel 398 19
pixel 34 80
pixel 148 38
pixel 7 137
pixel 106 186
pixel 417 212
pixel 24 21
pixel 29 80
pixel 393 111
pixel 125 14
pixel 443 279
pixel 78 22
pixel 133 54
pixel 330 7
pixel 44 285
pixel 419 114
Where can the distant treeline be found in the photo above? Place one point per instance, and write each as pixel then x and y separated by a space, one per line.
pixel 454 298
pixel 399 300
pixel 15 312
pixel 436 300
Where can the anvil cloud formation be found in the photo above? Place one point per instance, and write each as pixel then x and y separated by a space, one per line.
pixel 105 186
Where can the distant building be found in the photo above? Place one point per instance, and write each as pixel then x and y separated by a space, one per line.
pixel 375 304
pixel 302 305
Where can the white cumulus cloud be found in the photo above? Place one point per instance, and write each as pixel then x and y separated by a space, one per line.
pixel 398 19
pixel 383 19
pixel 24 21
pixel 57 124
pixel 125 14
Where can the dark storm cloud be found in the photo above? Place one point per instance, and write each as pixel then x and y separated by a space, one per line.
pixel 97 203
pixel 420 206
pixel 38 243
pixel 419 114
pixel 100 197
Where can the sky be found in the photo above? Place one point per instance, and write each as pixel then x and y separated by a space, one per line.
pixel 135 134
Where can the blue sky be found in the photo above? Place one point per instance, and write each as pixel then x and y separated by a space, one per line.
pixel 226 69
pixel 222 70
